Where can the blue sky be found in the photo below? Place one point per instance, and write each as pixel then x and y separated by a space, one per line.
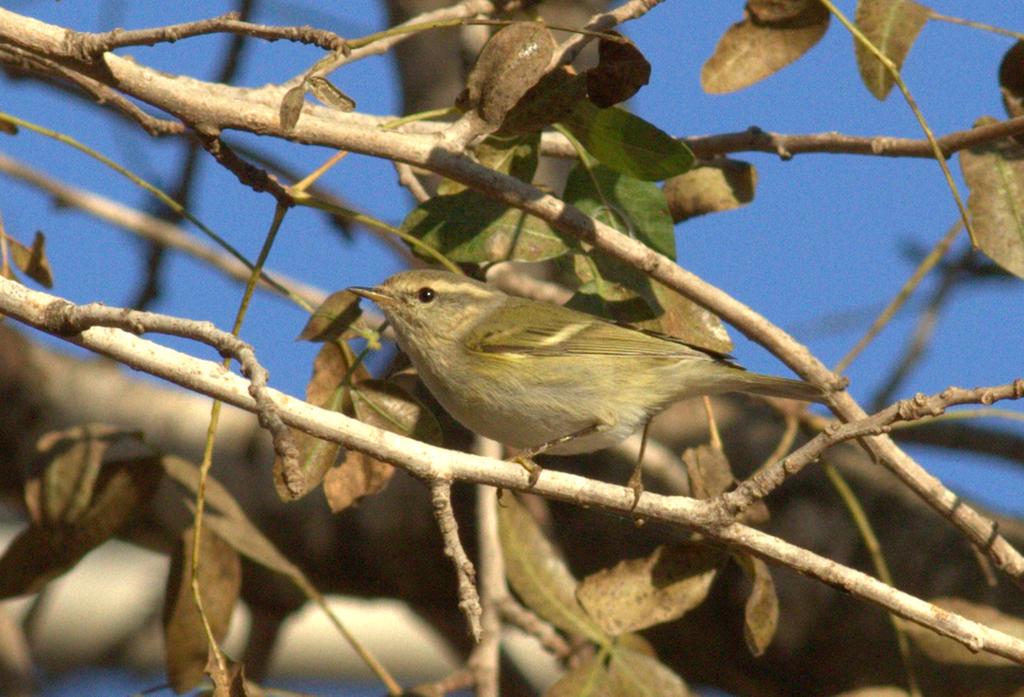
pixel 825 235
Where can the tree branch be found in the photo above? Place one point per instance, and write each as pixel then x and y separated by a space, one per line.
pixel 432 463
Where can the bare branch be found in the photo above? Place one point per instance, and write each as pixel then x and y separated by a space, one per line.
pixel 67 320
pixel 87 46
pixel 252 176
pixel 469 600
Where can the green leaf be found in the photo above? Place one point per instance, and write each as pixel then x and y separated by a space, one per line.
pixel 538 574
pixel 994 173
pixel 635 674
pixel 516 156
pixel 469 227
pixel 609 287
pixel 765 41
pixel 892 26
pixel 630 205
pixel 628 144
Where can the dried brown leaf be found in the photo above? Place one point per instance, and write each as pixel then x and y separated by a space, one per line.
pixel 761 613
pixel 994 173
pixel 751 49
pixel 220 581
pixel 892 26
pixel 620 72
pixel 709 471
pixel 324 90
pixel 686 320
pixel 775 10
pixel 333 319
pixel 228 679
pixel 32 260
pixel 950 652
pixel 710 187
pixel 640 593
pixel 45 550
pixel 316 456
pixel 510 63
pixel 358 476
pixel 1011 79
pixel 71 461
pixel 291 107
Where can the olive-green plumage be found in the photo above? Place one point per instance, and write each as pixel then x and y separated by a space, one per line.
pixel 526 373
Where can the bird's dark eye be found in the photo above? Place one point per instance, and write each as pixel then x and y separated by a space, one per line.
pixel 426 295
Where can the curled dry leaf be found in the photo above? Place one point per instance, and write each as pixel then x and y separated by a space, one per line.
pixel 892 26
pixel 220 581
pixel 709 471
pixel 761 612
pixel 950 652
pixel 640 593
pixel 228 679
pixel 1011 79
pixel 538 574
pixel 510 63
pixel 710 187
pixel 620 72
pixel 994 173
pixel 324 90
pixel 755 48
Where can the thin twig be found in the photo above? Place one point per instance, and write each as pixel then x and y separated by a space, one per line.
pixel 407 178
pixel 150 227
pixel 927 264
pixel 920 406
pixel 922 332
pixel 88 46
pixel 484 660
pixel 532 624
pixel 101 93
pixel 469 600
pixel 248 174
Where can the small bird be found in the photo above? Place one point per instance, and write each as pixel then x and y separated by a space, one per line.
pixel 545 378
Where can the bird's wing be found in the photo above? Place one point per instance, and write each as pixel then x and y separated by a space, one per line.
pixel 518 328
